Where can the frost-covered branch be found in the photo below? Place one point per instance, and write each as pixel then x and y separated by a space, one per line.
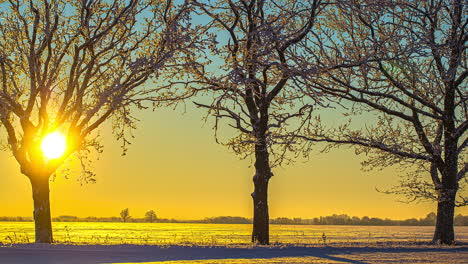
pixel 401 67
pixel 71 71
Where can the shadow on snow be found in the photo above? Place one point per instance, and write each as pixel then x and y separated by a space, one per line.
pixel 71 254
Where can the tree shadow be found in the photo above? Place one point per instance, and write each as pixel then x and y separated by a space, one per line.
pixel 59 254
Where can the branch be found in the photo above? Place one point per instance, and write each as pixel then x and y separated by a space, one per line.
pixel 367 143
pixel 237 118
pixel 461 174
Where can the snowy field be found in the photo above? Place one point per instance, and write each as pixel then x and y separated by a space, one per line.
pixel 100 243
pixel 358 254
pixel 217 234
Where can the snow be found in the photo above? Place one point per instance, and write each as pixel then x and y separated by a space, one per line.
pixel 356 253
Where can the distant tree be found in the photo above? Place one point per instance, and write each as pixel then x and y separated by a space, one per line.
pixel 461 220
pixel 355 220
pixel 365 220
pixel 402 66
pixel 227 220
pixel 245 77
pixel 150 216
pixel 66 218
pixel 125 215
pixel 69 66
pixel 430 219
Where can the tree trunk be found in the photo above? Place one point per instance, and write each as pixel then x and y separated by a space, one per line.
pixel 444 233
pixel 42 219
pixel 261 232
pixel 447 191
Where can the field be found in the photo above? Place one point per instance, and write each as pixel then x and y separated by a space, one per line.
pixel 216 234
pixel 94 243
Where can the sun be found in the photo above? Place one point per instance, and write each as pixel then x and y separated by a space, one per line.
pixel 53 145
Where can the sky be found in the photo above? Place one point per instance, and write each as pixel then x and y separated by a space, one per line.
pixel 176 168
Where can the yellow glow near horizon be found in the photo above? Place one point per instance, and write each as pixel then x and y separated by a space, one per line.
pixel 211 180
pixel 53 145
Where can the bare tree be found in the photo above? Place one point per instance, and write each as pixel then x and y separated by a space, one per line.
pixel 69 66
pixel 401 66
pixel 245 73
pixel 125 215
pixel 150 216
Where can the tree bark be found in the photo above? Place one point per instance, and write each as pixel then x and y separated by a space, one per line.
pixel 42 219
pixel 444 231
pixel 261 219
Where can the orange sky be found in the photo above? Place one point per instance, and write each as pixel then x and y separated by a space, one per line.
pixel 175 167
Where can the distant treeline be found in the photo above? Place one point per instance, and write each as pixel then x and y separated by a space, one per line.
pixel 71 218
pixel 342 219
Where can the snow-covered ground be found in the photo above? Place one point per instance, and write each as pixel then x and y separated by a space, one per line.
pixel 217 234
pixel 100 243
pixel 358 253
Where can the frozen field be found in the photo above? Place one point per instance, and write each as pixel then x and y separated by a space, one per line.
pixel 95 254
pixel 217 234
pixel 99 243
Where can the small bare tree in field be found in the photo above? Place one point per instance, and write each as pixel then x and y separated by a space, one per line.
pixel 125 215
pixel 246 76
pixel 401 66
pixel 69 66
pixel 150 216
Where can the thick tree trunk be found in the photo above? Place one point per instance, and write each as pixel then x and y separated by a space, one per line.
pixel 261 219
pixel 444 233
pixel 42 219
